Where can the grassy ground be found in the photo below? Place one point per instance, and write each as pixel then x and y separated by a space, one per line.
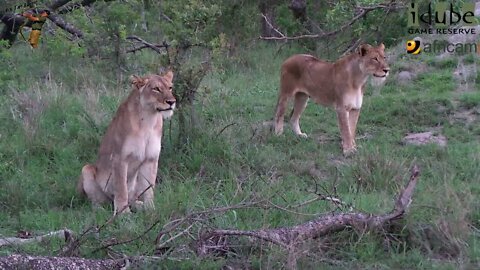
pixel 53 118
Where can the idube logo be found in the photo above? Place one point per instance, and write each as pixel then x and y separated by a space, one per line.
pixel 444 20
pixel 442 17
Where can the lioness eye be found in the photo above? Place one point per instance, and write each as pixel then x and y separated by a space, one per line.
pixel 156 89
pixel 376 59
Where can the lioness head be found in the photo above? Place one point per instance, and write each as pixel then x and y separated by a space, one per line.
pixel 156 93
pixel 373 60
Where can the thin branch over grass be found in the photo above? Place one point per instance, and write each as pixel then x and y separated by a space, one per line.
pixel 65 233
pixel 291 237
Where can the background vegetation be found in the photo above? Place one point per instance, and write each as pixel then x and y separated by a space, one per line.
pixel 56 102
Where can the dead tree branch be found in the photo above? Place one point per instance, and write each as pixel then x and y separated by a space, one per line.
pixel 360 13
pixel 70 28
pixel 54 5
pixel 7 241
pixel 145 44
pixel 291 237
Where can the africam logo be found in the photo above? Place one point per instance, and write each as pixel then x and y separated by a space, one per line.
pixel 441 46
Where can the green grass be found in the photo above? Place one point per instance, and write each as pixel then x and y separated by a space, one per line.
pixel 233 157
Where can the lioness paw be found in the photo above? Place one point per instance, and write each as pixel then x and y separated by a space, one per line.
pixel 303 135
pixel 349 152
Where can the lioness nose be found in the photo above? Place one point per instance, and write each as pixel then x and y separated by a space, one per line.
pixel 386 70
pixel 170 102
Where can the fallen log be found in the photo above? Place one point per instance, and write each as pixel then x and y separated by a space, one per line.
pixel 18 261
pixel 291 237
pixel 66 234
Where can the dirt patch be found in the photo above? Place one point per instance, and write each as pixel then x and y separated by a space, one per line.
pixel 467 116
pixel 425 138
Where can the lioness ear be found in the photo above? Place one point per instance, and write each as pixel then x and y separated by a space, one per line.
pixel 381 46
pixel 363 49
pixel 168 76
pixel 137 82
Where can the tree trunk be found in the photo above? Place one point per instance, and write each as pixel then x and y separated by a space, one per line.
pixel 267 20
pixel 12 27
pixel 299 9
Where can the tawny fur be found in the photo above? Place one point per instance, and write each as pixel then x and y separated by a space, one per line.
pixel 126 167
pixel 339 85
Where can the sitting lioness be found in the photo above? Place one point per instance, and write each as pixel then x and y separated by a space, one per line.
pixel 340 85
pixel 126 167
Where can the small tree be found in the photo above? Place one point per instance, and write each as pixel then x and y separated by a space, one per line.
pixel 190 30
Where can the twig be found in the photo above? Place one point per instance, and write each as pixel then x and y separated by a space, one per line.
pixel 362 12
pixel 290 237
pixel 271 25
pixel 146 44
pixel 177 222
pixel 75 244
pixel 224 128
pixel 18 241
pixel 175 236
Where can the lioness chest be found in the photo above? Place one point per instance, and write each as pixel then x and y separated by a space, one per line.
pixel 353 99
pixel 141 147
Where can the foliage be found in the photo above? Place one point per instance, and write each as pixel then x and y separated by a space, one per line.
pixel 56 102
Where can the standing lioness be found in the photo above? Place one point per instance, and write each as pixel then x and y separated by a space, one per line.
pixel 340 85
pixel 127 162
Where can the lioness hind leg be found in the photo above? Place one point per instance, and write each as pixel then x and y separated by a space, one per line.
pixel 299 106
pixel 88 185
pixel 280 114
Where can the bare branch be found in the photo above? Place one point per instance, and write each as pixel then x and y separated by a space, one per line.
pixel 70 28
pixel 18 241
pixel 362 11
pixel 290 237
pixel 146 44
pixel 272 27
pixel 57 4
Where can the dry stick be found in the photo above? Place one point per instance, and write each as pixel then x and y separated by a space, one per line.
pixel 363 11
pixel 180 221
pixel 271 26
pixel 224 128
pixel 146 44
pixel 175 236
pixel 17 241
pixel 289 237
pixel 176 223
pixel 60 22
pixel 112 218
pixel 75 244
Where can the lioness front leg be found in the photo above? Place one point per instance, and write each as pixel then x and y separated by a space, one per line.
pixel 144 191
pixel 120 190
pixel 353 120
pixel 345 131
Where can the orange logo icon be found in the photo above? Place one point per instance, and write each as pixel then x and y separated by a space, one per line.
pixel 413 47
